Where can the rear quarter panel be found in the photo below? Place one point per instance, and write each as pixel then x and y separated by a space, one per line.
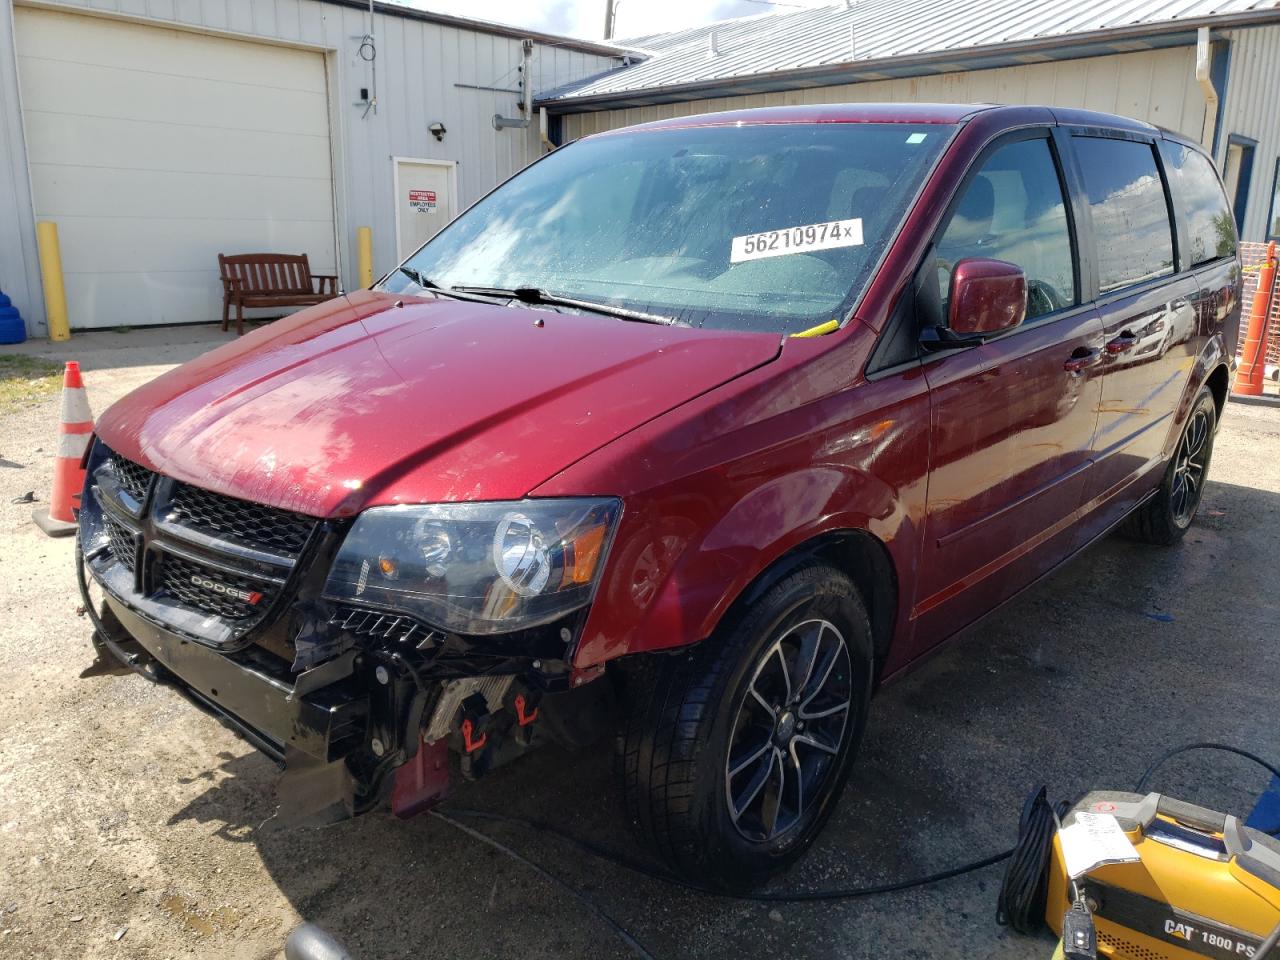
pixel 1218 318
pixel 1217 307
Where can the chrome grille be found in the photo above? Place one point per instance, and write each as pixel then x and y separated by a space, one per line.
pixel 133 478
pixel 196 585
pixel 251 524
pixel 122 542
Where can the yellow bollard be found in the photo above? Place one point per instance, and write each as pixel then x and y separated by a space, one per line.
pixel 55 295
pixel 364 255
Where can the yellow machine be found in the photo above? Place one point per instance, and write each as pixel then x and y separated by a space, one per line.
pixel 1203 884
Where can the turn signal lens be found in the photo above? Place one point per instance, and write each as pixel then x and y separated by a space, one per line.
pixel 582 555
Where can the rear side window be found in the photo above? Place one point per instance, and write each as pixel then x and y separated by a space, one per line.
pixel 1199 199
pixel 1131 224
pixel 1013 211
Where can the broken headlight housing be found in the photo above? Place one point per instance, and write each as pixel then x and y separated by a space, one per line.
pixel 477 568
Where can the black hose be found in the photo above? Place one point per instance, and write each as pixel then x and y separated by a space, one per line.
pixel 608 856
pixel 1024 890
pixel 1268 945
pixel 1142 783
pixel 618 929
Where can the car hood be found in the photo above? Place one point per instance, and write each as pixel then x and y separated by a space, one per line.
pixel 369 400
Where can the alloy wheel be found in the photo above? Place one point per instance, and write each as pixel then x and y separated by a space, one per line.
pixel 788 731
pixel 1189 469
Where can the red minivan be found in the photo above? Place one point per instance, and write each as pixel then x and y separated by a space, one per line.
pixel 694 433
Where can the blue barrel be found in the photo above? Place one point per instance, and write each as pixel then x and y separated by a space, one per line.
pixel 12 329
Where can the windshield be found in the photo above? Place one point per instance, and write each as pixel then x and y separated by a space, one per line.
pixel 767 227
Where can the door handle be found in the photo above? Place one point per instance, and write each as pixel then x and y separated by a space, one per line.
pixel 1081 359
pixel 1121 343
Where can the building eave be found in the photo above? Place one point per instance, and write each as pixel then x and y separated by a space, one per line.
pixel 494 29
pixel 1017 53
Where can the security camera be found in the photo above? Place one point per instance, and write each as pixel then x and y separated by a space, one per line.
pixel 437 130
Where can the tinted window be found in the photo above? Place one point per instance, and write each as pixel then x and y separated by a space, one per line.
pixel 1013 210
pixel 1199 199
pixel 772 227
pixel 1130 215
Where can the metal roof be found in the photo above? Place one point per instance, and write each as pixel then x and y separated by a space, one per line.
pixel 875 39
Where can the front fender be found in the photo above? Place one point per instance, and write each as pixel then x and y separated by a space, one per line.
pixel 691 582
pixel 716 499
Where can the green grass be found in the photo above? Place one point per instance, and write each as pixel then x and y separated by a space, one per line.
pixel 26 380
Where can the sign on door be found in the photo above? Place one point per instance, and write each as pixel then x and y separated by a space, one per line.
pixel 423 201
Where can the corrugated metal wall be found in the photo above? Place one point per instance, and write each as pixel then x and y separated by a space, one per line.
pixel 1154 85
pixel 19 265
pixel 419 65
pixel 1252 109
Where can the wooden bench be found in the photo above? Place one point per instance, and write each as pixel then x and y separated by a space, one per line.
pixel 270 280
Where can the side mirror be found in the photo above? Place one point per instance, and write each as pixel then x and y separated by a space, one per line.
pixel 987 297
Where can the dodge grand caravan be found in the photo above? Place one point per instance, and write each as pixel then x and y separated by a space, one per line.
pixel 694 433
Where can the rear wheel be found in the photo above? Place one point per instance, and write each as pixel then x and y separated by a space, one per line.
pixel 736 750
pixel 1167 516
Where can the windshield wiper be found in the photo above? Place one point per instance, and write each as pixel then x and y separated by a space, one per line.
pixel 464 293
pixel 536 295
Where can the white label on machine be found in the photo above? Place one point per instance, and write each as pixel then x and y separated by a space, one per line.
pixel 811 236
pixel 1094 839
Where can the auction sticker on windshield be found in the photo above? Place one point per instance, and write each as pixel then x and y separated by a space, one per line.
pixel 780 243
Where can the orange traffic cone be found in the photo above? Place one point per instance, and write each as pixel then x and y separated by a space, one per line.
pixel 68 475
pixel 1253 352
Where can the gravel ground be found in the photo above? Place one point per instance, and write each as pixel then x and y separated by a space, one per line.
pixel 133 826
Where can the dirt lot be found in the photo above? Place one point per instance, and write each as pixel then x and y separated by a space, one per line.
pixel 132 826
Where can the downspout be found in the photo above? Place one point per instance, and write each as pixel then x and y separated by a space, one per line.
pixel 543 132
pixel 526 84
pixel 1204 77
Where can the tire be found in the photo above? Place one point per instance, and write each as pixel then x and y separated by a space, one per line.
pixel 1166 517
pixel 690 712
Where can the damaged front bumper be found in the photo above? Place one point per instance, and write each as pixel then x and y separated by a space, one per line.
pixel 196 595
pixel 326 723
pixel 361 727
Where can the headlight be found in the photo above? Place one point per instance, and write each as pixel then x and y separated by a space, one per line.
pixel 477 567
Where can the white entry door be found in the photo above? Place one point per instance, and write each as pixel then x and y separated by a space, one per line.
pixel 426 198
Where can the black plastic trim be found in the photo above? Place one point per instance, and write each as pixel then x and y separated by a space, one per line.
pixel 327 723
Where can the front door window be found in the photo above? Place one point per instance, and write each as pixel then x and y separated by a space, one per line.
pixel 1013 210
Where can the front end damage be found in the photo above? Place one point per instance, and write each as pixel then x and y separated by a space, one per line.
pixel 225 601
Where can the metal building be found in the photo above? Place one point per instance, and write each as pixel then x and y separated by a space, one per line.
pixel 1207 68
pixel 159 133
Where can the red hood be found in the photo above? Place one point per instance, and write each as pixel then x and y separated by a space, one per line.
pixel 359 402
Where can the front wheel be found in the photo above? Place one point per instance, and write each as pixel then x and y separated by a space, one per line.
pixel 736 750
pixel 1168 515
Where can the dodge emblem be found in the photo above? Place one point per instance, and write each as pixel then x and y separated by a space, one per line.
pixel 252 597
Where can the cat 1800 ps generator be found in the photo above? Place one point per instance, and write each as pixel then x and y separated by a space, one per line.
pixel 1196 884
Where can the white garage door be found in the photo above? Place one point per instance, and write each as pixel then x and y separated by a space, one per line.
pixel 154 150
